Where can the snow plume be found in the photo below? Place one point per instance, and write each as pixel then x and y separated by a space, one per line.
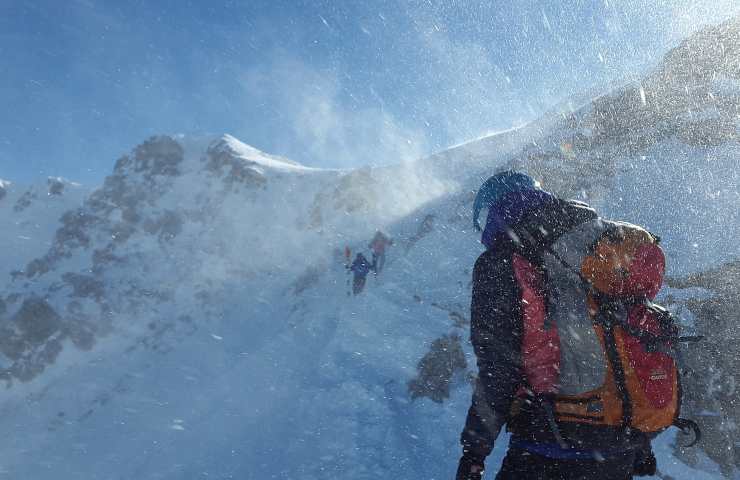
pixel 322 126
pixel 473 92
pixel 324 122
pixel 686 14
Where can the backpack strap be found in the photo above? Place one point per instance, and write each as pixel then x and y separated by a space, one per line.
pixel 541 227
pixel 608 319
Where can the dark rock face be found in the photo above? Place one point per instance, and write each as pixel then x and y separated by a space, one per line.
pixel 307 280
pixel 222 161
pixel 24 201
pixel 75 229
pixel 37 266
pixel 158 156
pixel 80 329
pixel 137 180
pixel 81 333
pixel 683 100
pixel 36 320
pixel 425 228
pixel 710 385
pixel 356 193
pixel 3 191
pixel 665 102
pixel 436 369
pixel 30 339
pixel 73 234
pixel 167 226
pixel 710 132
pixel 114 188
pixel 11 344
pixel 55 186
pixel 104 257
pixel 84 286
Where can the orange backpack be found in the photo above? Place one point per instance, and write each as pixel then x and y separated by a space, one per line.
pixel 593 342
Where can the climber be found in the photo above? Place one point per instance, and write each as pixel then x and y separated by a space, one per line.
pixel 360 267
pixel 378 245
pixel 561 304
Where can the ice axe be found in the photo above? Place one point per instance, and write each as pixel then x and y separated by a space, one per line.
pixel 687 427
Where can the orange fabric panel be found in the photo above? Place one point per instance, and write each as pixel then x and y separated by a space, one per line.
pixel 632 265
pixel 646 416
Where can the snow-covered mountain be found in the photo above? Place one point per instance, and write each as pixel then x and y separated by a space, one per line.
pixel 191 319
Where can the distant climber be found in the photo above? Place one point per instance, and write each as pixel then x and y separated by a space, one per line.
pixel 360 267
pixel 378 245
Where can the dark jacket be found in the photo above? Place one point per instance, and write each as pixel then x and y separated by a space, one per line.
pixel 360 266
pixel 495 332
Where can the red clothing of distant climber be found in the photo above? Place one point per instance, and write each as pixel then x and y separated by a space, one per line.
pixel 378 244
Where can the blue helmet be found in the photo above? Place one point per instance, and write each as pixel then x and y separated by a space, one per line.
pixel 498 185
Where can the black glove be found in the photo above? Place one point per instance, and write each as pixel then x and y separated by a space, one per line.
pixel 645 463
pixel 471 467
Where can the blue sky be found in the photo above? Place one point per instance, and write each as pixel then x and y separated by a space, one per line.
pixel 326 83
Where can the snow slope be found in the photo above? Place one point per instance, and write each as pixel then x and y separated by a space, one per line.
pixel 190 318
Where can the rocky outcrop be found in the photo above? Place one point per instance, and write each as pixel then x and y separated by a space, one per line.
pixel 137 181
pixel 31 339
pixel 36 321
pixel 165 226
pixel 308 279
pixel 426 226
pixel 692 97
pixel 157 156
pixel 712 381
pixel 84 286
pixel 223 161
pixel 437 368
pixel 74 234
pixel 679 95
pixel 355 193
pixel 55 186
pixel 24 201
pixel 127 203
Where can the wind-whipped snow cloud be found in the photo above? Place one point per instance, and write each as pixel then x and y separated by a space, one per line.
pixel 473 90
pixel 325 83
pixel 323 119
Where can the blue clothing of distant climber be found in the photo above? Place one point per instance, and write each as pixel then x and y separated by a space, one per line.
pixel 360 267
pixel 496 187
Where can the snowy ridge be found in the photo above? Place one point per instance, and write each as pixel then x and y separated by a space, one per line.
pixel 190 318
pixel 235 147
